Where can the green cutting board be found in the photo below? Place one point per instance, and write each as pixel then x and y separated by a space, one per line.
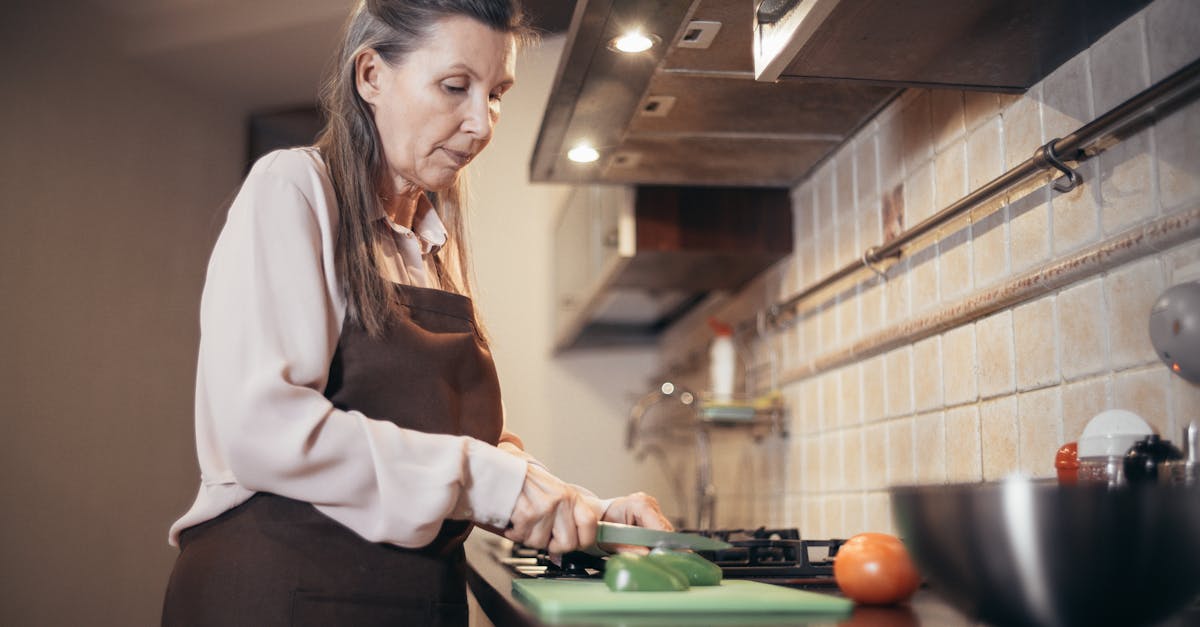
pixel 559 597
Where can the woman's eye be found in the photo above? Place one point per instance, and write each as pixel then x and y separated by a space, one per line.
pixel 454 89
pixel 496 97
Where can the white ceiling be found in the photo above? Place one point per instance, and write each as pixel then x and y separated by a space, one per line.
pixel 255 55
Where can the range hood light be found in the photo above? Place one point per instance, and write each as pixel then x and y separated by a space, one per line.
pixel 583 153
pixel 633 42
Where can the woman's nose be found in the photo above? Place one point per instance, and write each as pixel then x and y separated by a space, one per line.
pixel 479 120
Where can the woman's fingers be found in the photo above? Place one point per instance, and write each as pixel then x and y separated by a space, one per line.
pixel 531 519
pixel 551 514
pixel 565 537
pixel 639 509
pixel 585 523
pixel 541 532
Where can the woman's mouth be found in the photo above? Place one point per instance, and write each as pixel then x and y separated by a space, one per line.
pixel 459 158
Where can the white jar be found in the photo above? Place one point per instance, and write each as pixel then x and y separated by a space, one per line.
pixel 722 362
pixel 1105 440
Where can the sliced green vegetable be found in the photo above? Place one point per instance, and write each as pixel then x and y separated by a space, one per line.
pixel 697 570
pixel 634 573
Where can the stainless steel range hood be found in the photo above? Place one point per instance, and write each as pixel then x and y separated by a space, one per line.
pixel 689 112
pixel 631 260
pixel 722 127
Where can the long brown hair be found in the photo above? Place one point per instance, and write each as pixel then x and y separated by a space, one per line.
pixel 353 152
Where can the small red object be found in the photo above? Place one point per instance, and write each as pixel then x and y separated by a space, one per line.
pixel 1066 462
pixel 720 327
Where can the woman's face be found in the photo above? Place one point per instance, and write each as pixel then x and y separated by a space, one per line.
pixel 436 109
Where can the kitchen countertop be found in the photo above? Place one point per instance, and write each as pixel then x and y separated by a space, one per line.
pixel 491 584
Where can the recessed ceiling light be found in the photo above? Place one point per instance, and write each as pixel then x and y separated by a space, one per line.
pixel 633 42
pixel 583 153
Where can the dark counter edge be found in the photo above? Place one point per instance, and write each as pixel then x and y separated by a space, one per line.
pixel 491 584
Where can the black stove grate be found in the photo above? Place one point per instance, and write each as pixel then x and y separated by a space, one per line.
pixel 771 555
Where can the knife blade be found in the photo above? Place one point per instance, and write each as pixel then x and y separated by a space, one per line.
pixel 616 533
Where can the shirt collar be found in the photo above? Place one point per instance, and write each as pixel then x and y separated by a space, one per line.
pixel 428 227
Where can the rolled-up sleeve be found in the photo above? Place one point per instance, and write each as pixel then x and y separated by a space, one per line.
pixel 270 319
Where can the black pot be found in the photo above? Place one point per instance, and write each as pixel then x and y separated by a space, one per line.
pixel 1144 458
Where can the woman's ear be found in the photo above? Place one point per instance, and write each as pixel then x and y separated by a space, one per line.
pixel 368 67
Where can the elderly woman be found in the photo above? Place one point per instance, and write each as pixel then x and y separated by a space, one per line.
pixel 348 417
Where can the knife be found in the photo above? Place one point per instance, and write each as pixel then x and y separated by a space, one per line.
pixel 616 533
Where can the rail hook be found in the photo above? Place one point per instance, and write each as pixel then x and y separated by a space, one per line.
pixel 1071 179
pixel 869 260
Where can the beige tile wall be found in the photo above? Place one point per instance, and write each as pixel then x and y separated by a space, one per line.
pixel 998 395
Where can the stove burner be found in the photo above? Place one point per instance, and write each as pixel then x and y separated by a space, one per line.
pixel 772 553
pixel 575 564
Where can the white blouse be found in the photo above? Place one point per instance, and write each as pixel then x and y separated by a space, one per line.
pixel 270 318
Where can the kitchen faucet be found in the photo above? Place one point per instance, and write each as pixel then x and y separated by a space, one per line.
pixel 706 492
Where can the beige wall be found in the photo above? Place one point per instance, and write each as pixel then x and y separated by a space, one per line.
pixel 112 183
pixel 999 394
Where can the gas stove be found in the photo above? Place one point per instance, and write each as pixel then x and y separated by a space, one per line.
pixel 776 556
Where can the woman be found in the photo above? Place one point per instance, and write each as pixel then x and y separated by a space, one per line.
pixel 349 425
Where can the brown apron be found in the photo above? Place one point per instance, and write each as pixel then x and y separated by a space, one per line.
pixel 275 561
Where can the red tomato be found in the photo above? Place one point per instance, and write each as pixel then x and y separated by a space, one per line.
pixel 874 568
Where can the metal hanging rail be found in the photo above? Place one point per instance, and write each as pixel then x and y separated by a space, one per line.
pixel 1086 142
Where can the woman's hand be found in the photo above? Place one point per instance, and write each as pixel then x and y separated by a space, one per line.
pixel 639 509
pixel 551 514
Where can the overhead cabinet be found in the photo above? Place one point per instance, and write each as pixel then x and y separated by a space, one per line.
pixel 631 260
